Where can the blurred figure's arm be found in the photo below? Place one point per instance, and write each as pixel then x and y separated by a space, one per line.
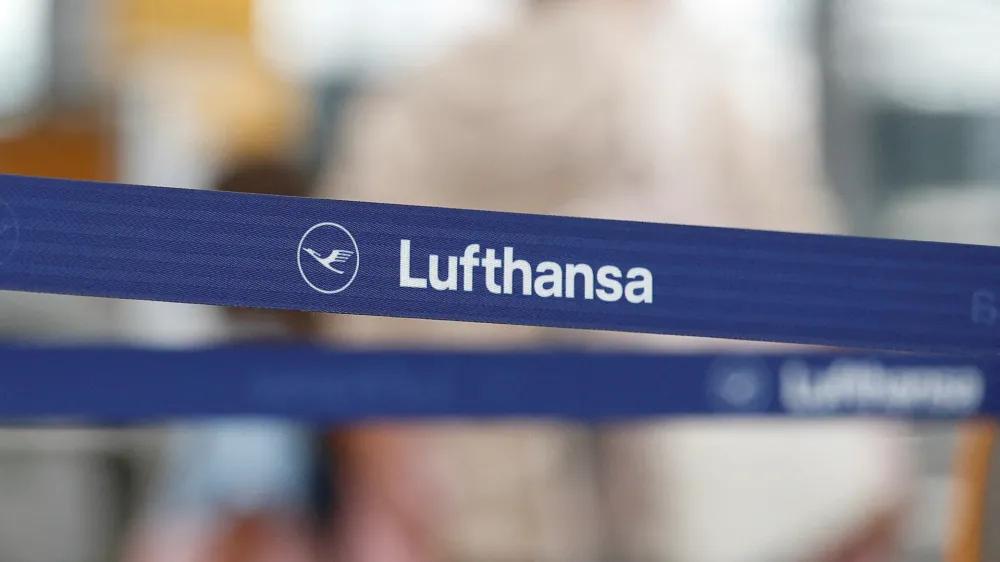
pixel 227 489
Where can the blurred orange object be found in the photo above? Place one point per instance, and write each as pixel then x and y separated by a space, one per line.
pixel 140 24
pixel 976 444
pixel 75 145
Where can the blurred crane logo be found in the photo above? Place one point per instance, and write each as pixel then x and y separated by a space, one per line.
pixel 740 384
pixel 331 258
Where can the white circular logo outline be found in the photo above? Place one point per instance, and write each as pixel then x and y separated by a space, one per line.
pixel 751 378
pixel 357 257
pixel 739 387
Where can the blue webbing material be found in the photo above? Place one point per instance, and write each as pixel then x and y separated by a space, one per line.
pixel 201 247
pixel 191 246
pixel 120 385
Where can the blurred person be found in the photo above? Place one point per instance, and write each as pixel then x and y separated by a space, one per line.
pixel 242 490
pixel 202 111
pixel 607 109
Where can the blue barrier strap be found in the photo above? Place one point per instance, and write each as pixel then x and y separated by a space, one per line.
pixel 130 385
pixel 203 247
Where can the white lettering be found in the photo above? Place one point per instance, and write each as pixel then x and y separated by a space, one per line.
pixel 984 308
pixel 451 282
pixel 490 264
pixel 404 268
pixel 611 288
pixel 871 386
pixel 550 284
pixel 588 280
pixel 641 289
pixel 509 265
pixel 468 261
pixel 547 280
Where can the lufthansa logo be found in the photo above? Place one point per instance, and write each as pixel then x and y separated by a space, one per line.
pixel 740 385
pixel 8 232
pixel 328 258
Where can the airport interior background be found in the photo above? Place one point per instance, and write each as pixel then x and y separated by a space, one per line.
pixel 197 93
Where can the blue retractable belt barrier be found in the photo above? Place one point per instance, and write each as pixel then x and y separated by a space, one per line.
pixel 108 385
pixel 192 246
pixel 362 258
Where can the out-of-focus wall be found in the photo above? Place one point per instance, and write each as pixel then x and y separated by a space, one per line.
pixel 142 91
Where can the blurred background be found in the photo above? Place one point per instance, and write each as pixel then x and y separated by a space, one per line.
pixel 248 95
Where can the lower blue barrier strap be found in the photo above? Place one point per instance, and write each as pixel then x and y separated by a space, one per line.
pixel 104 385
pixel 193 246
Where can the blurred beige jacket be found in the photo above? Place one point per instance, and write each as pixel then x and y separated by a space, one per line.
pixel 605 109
